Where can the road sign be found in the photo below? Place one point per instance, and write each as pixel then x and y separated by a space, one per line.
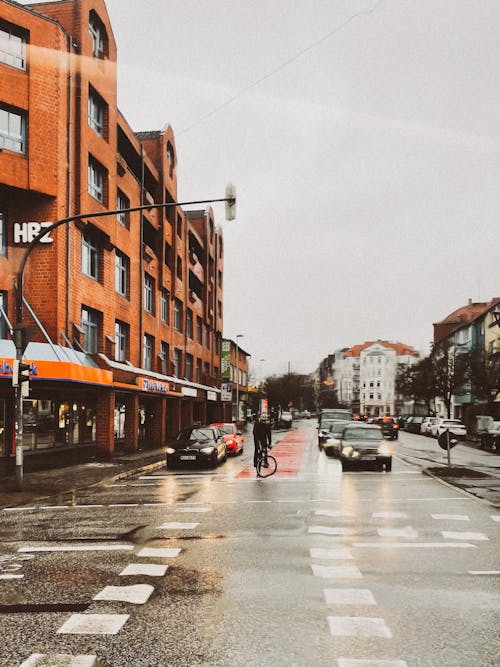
pixel 447 440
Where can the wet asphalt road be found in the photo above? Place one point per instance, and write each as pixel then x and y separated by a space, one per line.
pixel 315 568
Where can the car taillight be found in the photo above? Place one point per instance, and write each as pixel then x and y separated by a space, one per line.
pixel 394 426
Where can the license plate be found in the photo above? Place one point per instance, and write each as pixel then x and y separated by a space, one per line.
pixel 368 458
pixel 187 458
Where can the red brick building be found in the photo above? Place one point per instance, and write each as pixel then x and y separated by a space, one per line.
pixel 126 308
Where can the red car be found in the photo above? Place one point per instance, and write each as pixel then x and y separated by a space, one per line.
pixel 233 438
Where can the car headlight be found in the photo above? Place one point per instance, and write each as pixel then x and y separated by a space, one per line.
pixel 170 450
pixel 207 450
pixel 230 442
pixel 347 451
pixel 385 450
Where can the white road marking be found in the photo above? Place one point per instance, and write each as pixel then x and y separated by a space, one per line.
pixel 18 509
pixel 327 530
pixel 192 509
pixel 85 547
pixel 86 506
pixel 390 515
pixel 144 569
pixel 124 505
pixel 414 545
pixel 341 553
pixel 486 572
pixel 332 513
pixel 454 535
pixel 177 525
pixel 358 626
pixel 348 596
pixel 161 552
pixel 451 517
pixel 353 662
pixel 11 576
pixel 136 594
pixel 336 571
pixel 156 504
pixel 60 659
pixel 407 532
pixel 54 507
pixel 93 624
pixel 495 517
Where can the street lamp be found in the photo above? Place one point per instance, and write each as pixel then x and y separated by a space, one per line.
pixel 237 379
pixel 20 338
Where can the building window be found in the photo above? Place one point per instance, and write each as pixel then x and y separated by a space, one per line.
pixel 12 46
pixel 178 315
pixel 90 325
pixel 170 159
pixel 198 370
pixel 179 268
pixel 3 235
pixel 121 273
pixel 98 35
pixel 97 180
pixel 189 367
pixel 168 254
pixel 165 357
pixel 207 338
pixel 96 112
pixel 122 201
pixel 149 288
pixel 199 330
pixel 178 226
pixel 165 305
pixel 121 341
pixel 149 343
pixel 177 362
pixel 3 322
pixel 12 130
pixel 189 324
pixel 90 257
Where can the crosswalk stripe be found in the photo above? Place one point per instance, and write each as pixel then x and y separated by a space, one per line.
pixel 136 594
pixel 336 571
pixel 358 626
pixel 93 624
pixel 60 659
pixel 348 596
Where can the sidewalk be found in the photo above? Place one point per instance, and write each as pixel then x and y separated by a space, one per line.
pixel 46 483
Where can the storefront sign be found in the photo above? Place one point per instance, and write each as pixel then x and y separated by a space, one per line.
pixel 225 360
pixel 211 396
pixel 264 407
pixel 226 393
pixel 6 367
pixel 189 391
pixel 151 385
pixel 25 232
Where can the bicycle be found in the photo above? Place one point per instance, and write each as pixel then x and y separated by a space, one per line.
pixel 266 464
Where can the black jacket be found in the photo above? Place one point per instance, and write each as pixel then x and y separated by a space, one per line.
pixel 261 433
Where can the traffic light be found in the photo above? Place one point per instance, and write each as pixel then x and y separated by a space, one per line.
pixel 231 202
pixel 21 376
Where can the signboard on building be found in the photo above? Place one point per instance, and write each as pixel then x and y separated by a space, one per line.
pixel 225 359
pixel 264 407
pixel 190 391
pixel 226 393
pixel 211 395
pixel 25 232
pixel 151 385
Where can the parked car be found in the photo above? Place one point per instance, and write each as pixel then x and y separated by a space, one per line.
pixel 197 444
pixel 425 426
pixel 454 426
pixel 324 431
pixel 234 439
pixel 490 438
pixel 335 413
pixel 388 426
pixel 364 443
pixel 413 424
pixel 331 443
pixel 285 420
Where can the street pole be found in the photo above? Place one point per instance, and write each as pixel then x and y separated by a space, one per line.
pixel 230 200
pixel 237 379
pixel 260 372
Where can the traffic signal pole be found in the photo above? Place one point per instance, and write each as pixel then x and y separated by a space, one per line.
pixel 20 338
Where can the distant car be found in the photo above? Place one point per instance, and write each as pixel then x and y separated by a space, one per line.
pixel 335 413
pixel 388 426
pixel 425 426
pixel 364 443
pixel 234 439
pixel 306 414
pixel 454 426
pixel 197 444
pixel 324 431
pixel 490 438
pixel 413 424
pixel 285 420
pixel 331 443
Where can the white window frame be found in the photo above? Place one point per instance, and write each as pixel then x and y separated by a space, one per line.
pixel 90 257
pixel 122 201
pixel 12 47
pixel 97 40
pixel 96 113
pixel 12 139
pixel 165 301
pixel 90 324
pixel 96 178
pixel 178 315
pixel 121 273
pixel 3 234
pixel 148 293
pixel 121 341
pixel 148 350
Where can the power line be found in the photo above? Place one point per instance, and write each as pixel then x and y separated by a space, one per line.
pixel 299 54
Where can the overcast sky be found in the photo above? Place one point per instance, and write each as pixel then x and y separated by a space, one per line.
pixel 363 139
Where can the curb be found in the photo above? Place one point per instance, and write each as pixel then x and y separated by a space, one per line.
pixel 471 496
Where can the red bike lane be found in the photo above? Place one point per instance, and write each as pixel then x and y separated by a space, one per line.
pixel 288 452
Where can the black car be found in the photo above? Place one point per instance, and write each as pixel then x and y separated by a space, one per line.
pixel 331 444
pixel 197 444
pixel 389 427
pixel 324 431
pixel 364 443
pixel 413 424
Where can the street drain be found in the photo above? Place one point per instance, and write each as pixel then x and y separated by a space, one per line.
pixel 41 608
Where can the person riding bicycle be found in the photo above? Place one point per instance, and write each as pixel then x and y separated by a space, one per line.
pixel 261 436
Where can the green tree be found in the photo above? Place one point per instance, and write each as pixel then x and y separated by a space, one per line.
pixel 484 375
pixel 449 371
pixel 288 390
pixel 416 382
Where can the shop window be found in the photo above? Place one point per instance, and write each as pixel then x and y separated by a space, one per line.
pixel 12 130
pixel 12 46
pixel 149 343
pixel 90 324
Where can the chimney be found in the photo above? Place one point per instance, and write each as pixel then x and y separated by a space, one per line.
pixel 470 302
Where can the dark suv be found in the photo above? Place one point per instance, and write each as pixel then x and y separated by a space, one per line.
pixel 389 427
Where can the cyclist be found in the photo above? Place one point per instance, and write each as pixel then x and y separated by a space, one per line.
pixel 261 436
